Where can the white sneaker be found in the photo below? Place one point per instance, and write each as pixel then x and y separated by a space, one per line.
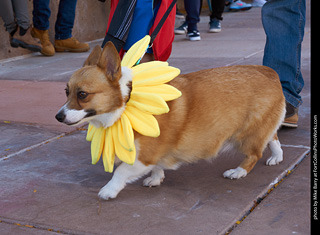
pixel 258 3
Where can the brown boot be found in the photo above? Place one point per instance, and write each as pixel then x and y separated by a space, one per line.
pixel 43 35
pixel 25 41
pixel 291 118
pixel 71 45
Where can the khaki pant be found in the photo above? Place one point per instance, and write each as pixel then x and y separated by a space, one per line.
pixel 13 13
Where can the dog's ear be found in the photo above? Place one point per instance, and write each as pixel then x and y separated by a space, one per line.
pixel 94 56
pixel 110 62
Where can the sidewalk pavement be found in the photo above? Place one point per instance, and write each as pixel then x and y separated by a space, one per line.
pixel 48 185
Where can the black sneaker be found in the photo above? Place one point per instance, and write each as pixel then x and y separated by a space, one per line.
pixel 194 35
pixel 182 29
pixel 179 15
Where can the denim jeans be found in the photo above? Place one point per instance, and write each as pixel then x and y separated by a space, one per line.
pixel 283 22
pixel 65 18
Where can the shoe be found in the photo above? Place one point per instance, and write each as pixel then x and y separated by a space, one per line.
pixel 182 29
pixel 240 6
pixel 214 26
pixel 43 35
pixel 179 15
pixel 194 35
pixel 258 3
pixel 22 38
pixel 71 45
pixel 291 118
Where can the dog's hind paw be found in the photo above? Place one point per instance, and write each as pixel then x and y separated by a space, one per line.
pixel 152 182
pixel 235 173
pixel 156 178
pixel 277 153
pixel 274 160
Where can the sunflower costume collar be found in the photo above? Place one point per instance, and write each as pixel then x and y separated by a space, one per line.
pixel 148 97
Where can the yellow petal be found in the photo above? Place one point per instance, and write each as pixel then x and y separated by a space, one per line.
pixel 155 77
pixel 148 66
pixel 135 52
pixel 125 133
pixel 147 102
pixel 97 144
pixel 108 152
pixel 144 123
pixel 123 154
pixel 167 92
pixel 90 132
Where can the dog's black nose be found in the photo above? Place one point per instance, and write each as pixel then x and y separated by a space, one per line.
pixel 60 116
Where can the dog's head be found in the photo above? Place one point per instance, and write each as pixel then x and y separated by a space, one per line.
pixel 95 91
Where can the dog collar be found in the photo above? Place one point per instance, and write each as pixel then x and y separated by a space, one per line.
pixel 148 97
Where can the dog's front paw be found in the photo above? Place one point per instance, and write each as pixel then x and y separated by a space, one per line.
pixel 235 173
pixel 109 191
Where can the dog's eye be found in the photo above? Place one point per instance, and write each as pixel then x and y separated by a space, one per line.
pixel 67 92
pixel 82 95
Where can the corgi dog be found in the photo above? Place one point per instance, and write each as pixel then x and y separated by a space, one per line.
pixel 241 106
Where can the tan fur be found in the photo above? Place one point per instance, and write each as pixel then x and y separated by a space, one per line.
pixel 99 77
pixel 242 105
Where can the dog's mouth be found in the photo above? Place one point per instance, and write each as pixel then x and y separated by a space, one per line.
pixel 74 117
pixel 90 113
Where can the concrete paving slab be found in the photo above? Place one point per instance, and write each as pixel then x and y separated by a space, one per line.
pixel 36 67
pixel 55 187
pixel 41 68
pixel 33 102
pixel 248 39
pixel 23 229
pixel 286 210
pixel 15 137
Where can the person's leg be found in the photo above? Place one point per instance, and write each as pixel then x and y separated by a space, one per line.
pixel 216 15
pixel 7 14
pixel 63 29
pixel 217 9
pixel 283 22
pixel 20 36
pixel 41 14
pixel 65 19
pixel 21 12
pixel 193 13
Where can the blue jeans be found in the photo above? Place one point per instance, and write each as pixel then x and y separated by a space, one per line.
pixel 283 22
pixel 65 18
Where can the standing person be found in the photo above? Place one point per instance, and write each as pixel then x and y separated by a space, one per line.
pixel 63 27
pixel 193 8
pixel 193 17
pixel 283 22
pixel 16 21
